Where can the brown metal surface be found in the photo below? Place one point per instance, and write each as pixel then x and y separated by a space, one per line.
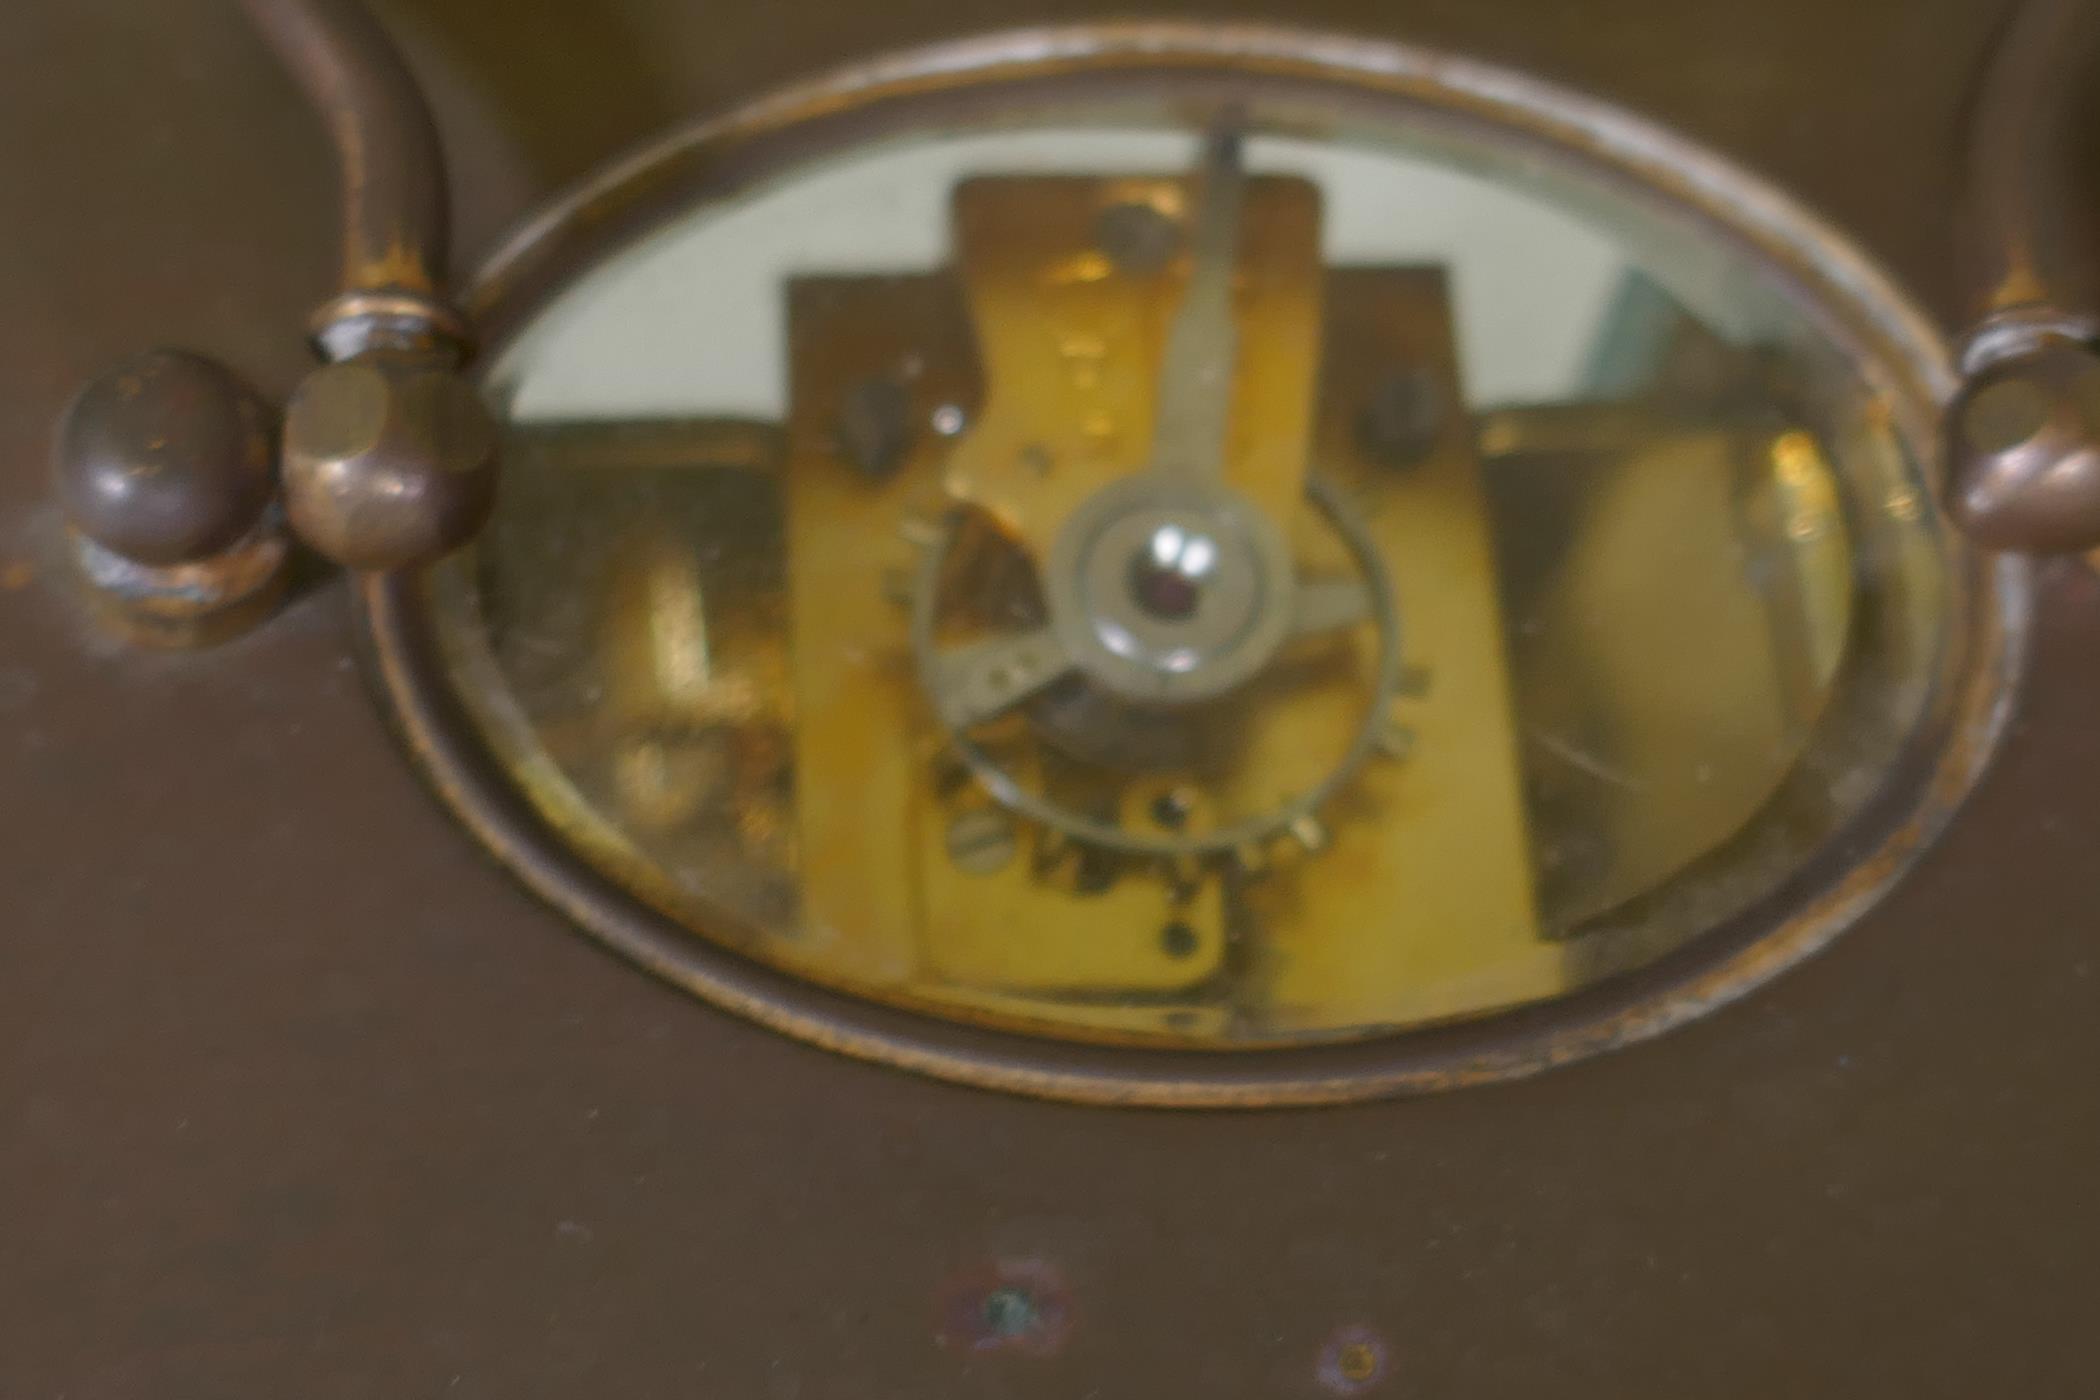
pixel 302 1096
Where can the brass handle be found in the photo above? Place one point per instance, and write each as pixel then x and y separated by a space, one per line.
pixel 169 467
pixel 2023 430
pixel 388 456
pixel 396 213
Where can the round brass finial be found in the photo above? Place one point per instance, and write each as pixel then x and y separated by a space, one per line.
pixel 166 469
pixel 166 459
pixel 389 460
pixel 2023 450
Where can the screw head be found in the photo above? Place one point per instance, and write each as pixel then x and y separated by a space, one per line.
pixel 169 458
pixel 1179 939
pixel 1140 239
pixel 389 461
pixel 874 427
pixel 1402 417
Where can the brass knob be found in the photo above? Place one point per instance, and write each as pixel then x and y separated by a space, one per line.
pixel 389 459
pixel 2023 450
pixel 165 466
pixel 166 459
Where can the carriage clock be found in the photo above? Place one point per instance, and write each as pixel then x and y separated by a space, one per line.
pixel 1112 707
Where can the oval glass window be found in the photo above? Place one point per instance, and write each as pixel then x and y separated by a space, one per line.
pixel 1236 544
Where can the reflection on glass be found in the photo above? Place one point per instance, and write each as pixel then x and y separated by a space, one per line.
pixel 1208 587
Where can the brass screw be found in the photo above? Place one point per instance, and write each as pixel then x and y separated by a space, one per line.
pixel 874 427
pixel 1179 940
pixel 1138 238
pixel 1402 417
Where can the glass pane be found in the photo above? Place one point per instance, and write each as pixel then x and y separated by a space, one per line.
pixel 1213 586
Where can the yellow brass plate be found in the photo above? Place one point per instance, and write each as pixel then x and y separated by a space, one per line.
pixel 1419 904
pixel 1422 906
pixel 1071 343
pixel 885 904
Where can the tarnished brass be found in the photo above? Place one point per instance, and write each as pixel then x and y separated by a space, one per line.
pixel 2022 436
pixel 1676 656
pixel 389 459
pixel 2023 448
pixel 387 453
pixel 165 466
pixel 167 458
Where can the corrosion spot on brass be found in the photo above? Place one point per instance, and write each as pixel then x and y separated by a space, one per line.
pixel 1012 1305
